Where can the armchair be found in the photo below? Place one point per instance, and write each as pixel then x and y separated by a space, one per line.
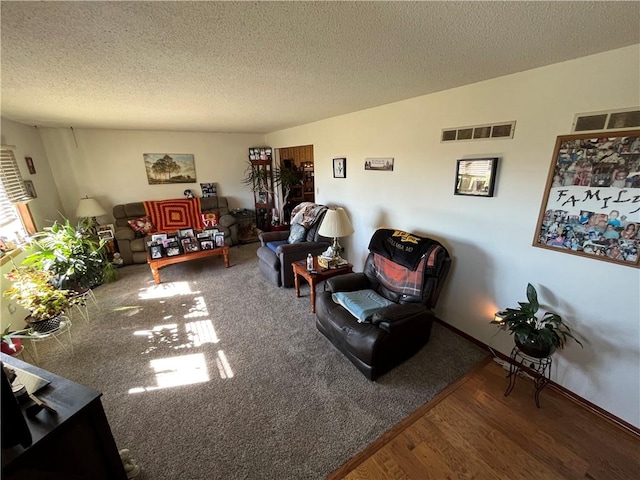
pixel 391 334
pixel 277 253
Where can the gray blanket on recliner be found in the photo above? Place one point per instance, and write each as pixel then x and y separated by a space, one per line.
pixel 306 213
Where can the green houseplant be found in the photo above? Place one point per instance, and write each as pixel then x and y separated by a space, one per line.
pixel 285 178
pixel 34 291
pixel 257 178
pixel 537 337
pixel 77 259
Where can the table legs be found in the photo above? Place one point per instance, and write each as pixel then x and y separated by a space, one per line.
pixel 312 288
pixel 156 273
pixel 296 281
pixel 539 367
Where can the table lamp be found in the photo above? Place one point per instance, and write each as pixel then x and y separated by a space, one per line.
pixel 335 224
pixel 89 209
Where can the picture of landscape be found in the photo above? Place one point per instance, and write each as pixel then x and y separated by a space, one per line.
pixel 165 168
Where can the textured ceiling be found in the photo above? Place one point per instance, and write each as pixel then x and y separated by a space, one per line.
pixel 263 66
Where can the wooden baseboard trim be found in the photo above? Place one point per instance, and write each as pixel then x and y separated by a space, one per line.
pixel 559 388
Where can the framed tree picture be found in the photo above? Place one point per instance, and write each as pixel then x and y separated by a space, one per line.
pixel 591 203
pixel 169 168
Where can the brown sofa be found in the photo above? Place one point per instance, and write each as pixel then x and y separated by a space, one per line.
pixel 134 250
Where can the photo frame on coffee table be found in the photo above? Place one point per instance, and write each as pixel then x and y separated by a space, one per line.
pixel 190 244
pixel 218 239
pixel 206 245
pixel 591 202
pixel 186 233
pixel 155 251
pixel 159 237
pixel 172 248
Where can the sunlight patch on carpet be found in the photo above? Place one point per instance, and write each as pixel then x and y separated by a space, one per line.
pixel 201 332
pixel 199 309
pixel 170 336
pixel 166 290
pixel 177 371
pixel 223 365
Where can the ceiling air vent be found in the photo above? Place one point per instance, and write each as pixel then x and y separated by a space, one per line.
pixel 607 120
pixel 479 132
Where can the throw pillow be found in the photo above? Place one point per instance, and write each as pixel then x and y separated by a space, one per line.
pixel 142 226
pixel 296 233
pixel 210 219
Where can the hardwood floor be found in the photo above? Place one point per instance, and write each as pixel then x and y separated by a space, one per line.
pixel 471 430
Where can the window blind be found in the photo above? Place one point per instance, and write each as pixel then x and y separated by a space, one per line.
pixel 12 187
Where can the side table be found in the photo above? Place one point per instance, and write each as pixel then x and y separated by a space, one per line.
pixel 300 270
pixel 540 367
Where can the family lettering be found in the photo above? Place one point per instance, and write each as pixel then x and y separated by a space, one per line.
pixel 565 199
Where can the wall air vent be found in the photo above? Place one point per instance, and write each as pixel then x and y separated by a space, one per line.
pixel 479 132
pixel 607 120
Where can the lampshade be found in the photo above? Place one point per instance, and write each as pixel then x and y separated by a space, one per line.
pixel 89 208
pixel 335 224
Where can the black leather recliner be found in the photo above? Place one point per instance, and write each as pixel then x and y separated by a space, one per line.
pixel 396 332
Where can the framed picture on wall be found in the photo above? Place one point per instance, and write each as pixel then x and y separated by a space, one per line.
pixel 169 168
pixel 30 165
pixel 591 203
pixel 31 190
pixel 339 168
pixel 476 177
pixel 383 164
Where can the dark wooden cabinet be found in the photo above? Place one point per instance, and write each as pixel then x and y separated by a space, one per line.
pixel 76 443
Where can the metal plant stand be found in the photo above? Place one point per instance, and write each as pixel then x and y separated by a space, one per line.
pixel 539 367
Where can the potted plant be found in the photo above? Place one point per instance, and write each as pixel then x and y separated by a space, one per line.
pixel 257 178
pixel 34 291
pixel 10 345
pixel 536 337
pixel 77 259
pixel 285 178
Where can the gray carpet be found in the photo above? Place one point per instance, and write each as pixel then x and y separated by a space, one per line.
pixel 279 402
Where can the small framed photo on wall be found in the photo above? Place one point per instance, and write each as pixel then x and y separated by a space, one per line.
pixel 476 177
pixel 339 168
pixel 31 190
pixel 30 165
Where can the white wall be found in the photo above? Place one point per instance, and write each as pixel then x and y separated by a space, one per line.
pixel 47 207
pixel 108 164
pixel 490 238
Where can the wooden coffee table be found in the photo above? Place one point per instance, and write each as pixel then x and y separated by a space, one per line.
pixel 157 263
pixel 300 269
